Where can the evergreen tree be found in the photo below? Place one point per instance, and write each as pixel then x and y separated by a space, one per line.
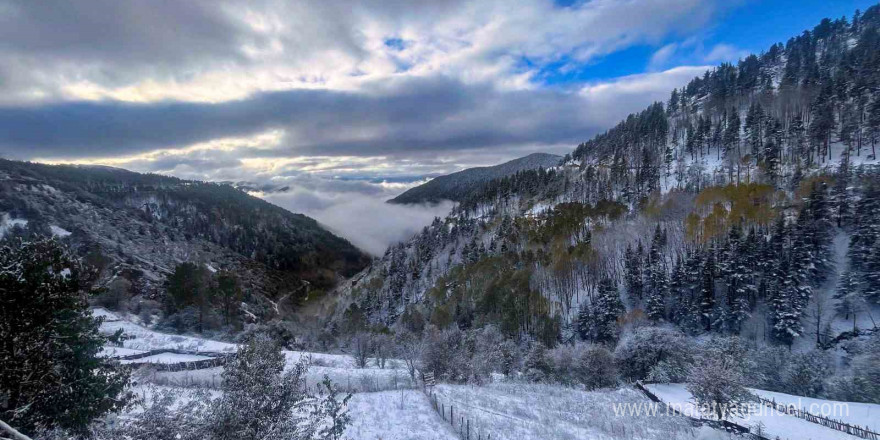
pixel 658 287
pixel 707 291
pixel 864 248
pixel 633 272
pixel 51 374
pixel 850 301
pixel 607 310
pixel 584 322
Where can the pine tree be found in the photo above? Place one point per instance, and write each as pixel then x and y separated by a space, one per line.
pixel 841 196
pixel 850 301
pixel 51 374
pixel 822 122
pixel 864 248
pixel 786 315
pixel 707 291
pixel 584 322
pixel 606 310
pixel 658 286
pixel 679 293
pixel 633 272
pixel 754 130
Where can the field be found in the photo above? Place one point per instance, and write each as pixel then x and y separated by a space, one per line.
pixel 387 406
pixel 528 411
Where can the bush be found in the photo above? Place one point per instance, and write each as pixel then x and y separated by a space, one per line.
pixel 806 373
pixel 583 364
pixel 536 365
pixel 862 382
pixel 491 353
pixel 447 355
pixel 659 353
pixel 770 365
pixel 116 295
pixel 717 379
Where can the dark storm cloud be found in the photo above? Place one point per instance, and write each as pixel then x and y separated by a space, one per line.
pixel 415 115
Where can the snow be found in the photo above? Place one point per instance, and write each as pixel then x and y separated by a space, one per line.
pixel 340 368
pixel 539 208
pixel 520 411
pixel 7 223
pixel 59 231
pixel 100 312
pixel 395 415
pixel 146 340
pixel 167 358
pixel 775 423
pixel 861 414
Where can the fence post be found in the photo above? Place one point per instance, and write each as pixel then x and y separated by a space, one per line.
pixel 468 435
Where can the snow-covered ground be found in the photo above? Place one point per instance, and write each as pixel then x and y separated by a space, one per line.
pixel 866 415
pixel 529 411
pixel 774 423
pixel 395 415
pixel 341 369
pixel 385 405
pixel 58 231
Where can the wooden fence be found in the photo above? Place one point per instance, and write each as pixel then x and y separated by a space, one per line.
pixel 462 424
pixel 217 360
pixel 175 351
pixel 184 366
pixel 791 410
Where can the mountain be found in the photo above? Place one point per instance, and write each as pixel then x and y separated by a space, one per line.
pixel 730 209
pixel 457 186
pixel 141 227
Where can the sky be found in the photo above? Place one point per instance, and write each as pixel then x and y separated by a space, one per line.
pixel 349 103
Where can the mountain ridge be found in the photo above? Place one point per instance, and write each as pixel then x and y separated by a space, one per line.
pixel 457 185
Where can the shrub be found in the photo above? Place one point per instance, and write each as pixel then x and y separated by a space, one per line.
pixel 717 380
pixel 646 349
pixel 589 365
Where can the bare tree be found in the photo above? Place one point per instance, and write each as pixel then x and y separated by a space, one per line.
pixel 361 346
pixel 408 346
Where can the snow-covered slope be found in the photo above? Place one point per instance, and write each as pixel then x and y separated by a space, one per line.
pixel 773 423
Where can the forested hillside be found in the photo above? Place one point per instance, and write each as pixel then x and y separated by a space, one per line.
pixel 138 230
pixel 748 204
pixel 457 186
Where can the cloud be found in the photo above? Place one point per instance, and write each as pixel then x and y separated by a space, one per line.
pixel 724 53
pixel 662 56
pixel 365 220
pixel 402 118
pixel 220 50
